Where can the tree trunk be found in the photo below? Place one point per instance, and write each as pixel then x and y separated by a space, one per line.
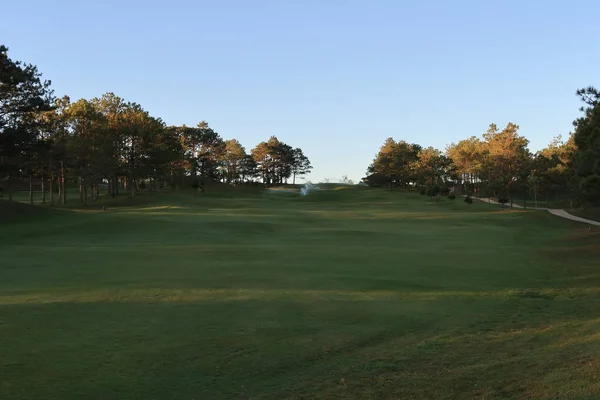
pixel 85 192
pixel 43 189
pixel 51 184
pixel 60 187
pixel 30 189
pixel 64 188
pixel 81 189
pixel 294 179
pixel 132 168
pixel 9 187
pixel 63 183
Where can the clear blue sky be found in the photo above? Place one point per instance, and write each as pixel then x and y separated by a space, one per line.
pixel 332 77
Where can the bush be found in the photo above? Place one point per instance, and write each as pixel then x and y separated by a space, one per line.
pixel 423 191
pixel 142 185
pixel 468 200
pixel 452 196
pixel 502 200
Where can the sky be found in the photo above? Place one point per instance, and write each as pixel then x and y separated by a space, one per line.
pixel 333 77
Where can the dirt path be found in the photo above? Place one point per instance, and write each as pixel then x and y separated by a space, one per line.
pixel 554 211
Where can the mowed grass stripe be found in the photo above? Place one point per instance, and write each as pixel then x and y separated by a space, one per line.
pixel 182 295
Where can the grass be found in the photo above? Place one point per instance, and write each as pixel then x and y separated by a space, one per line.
pixel 353 293
pixel 592 213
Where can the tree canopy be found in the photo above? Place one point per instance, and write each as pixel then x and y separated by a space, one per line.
pixel 500 164
pixel 108 140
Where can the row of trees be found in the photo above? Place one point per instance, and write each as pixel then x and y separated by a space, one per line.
pixel 500 163
pixel 103 141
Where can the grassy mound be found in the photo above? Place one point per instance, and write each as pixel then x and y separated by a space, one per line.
pixel 13 211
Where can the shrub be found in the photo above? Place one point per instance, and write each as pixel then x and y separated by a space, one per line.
pixel 502 200
pixel 452 196
pixel 423 191
pixel 468 200
pixel 142 185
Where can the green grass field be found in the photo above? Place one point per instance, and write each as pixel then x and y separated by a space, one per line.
pixel 342 294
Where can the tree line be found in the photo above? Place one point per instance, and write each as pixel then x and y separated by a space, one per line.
pixel 106 141
pixel 499 163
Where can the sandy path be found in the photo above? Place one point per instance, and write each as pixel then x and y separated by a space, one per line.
pixel 554 211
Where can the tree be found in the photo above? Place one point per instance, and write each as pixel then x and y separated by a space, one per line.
pixel 587 140
pixel 394 162
pixel 552 170
pixel 467 157
pixel 263 160
pixel 86 127
pixel 431 167
pixel 54 136
pixel 209 152
pixel 248 169
pixel 23 95
pixel 203 149
pixel 507 157
pixel 282 159
pixel 300 165
pixel 113 108
pixel 161 150
pixel 233 157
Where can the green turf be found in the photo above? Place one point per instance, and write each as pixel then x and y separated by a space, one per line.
pixel 342 294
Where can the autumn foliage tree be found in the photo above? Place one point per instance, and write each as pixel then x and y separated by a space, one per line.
pixel 394 164
pixel 110 143
pixel 277 161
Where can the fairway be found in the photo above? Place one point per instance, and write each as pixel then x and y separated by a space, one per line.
pixel 346 293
